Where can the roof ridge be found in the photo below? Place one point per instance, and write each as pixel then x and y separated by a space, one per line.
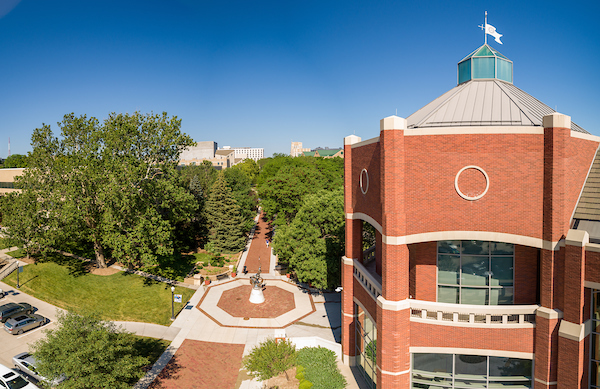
pixel 457 88
pixel 519 103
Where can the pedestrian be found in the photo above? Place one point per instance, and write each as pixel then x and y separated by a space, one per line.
pixel 267 242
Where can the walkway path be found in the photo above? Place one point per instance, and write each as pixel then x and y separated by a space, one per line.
pixel 259 254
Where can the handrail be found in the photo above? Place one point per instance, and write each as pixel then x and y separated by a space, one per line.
pixel 367 280
pixel 369 254
pixel 473 314
pixel 7 269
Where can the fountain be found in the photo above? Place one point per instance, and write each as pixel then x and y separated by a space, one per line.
pixel 257 296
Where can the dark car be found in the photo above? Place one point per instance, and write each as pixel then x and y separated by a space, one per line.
pixel 19 324
pixel 13 309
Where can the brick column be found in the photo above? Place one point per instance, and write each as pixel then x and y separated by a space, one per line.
pixel 353 252
pixel 573 333
pixel 393 340
pixel 546 347
pixel 393 309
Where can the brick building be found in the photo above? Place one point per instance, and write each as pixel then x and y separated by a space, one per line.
pixel 473 242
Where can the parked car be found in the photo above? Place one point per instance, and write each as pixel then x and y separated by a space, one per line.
pixel 11 380
pixel 18 325
pixel 26 363
pixel 13 309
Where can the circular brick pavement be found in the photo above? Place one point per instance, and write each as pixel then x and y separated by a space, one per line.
pixel 236 302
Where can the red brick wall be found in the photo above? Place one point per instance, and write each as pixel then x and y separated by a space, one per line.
pixel 592 266
pixel 511 339
pixel 526 274
pixel 366 157
pixel 571 363
pixel 578 153
pixel 423 271
pixel 546 347
pixel 366 299
pixel 348 339
pixel 574 274
pixel 393 337
pixel 513 203
pixel 395 271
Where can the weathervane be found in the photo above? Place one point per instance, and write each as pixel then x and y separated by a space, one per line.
pixel 489 29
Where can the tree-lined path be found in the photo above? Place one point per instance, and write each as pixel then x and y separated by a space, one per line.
pixel 258 247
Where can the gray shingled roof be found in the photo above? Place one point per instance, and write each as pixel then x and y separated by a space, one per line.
pixel 588 207
pixel 483 103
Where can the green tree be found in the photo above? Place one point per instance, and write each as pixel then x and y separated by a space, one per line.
pixel 227 232
pixel 21 214
pixel 250 167
pixel 271 358
pixel 15 161
pixel 112 184
pixel 241 189
pixel 314 242
pixel 205 173
pixel 93 353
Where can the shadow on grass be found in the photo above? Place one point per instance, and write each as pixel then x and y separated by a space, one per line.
pixel 32 278
pixel 173 267
pixel 76 266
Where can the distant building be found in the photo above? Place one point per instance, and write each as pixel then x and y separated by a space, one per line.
pixel 208 151
pixel 325 153
pixel 297 149
pixel 242 153
pixel 7 179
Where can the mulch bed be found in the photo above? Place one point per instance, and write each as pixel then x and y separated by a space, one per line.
pixel 202 365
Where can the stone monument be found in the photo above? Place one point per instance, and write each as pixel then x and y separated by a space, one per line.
pixel 257 296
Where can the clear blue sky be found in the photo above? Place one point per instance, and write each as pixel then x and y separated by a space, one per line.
pixel 264 73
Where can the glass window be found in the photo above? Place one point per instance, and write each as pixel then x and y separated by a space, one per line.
pixel 595 341
pixel 475 272
pixel 469 371
pixel 366 346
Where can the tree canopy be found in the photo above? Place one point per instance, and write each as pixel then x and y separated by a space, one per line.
pixel 15 161
pixel 113 184
pixel 92 353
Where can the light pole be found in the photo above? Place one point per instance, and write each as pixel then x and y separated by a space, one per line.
pixel 172 303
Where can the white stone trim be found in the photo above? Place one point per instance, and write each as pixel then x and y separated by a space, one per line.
pixel 593 247
pixel 550 314
pixel 472 351
pixel 461 235
pixel 351 140
pixel 556 120
pixel 349 315
pixel 591 285
pixel 348 261
pixel 546 383
pixel 349 360
pixel 464 196
pixel 578 238
pixel 366 142
pixel 366 218
pixel 393 305
pixel 487 130
pixel 392 123
pixel 581 135
pixel 364 188
pixel 471 325
pixel 576 332
pixel 392 373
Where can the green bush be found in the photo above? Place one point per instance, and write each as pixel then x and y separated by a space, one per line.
pixel 304 384
pixel 321 368
pixel 270 358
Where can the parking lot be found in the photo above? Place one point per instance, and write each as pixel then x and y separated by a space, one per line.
pixel 15 344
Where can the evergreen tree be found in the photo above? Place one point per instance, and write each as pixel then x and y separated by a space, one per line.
pixel 224 219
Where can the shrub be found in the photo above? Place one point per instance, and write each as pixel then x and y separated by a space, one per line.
pixel 270 358
pixel 320 368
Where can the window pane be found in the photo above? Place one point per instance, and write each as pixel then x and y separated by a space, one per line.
pixel 510 367
pixel 510 384
pixel 595 374
pixel 449 247
pixel 504 296
pixel 475 247
pixel 448 266
pixel 475 270
pixel 436 363
pixel 476 296
pixel 448 294
pixel 502 271
pixel 499 248
pixel 596 346
pixel 473 365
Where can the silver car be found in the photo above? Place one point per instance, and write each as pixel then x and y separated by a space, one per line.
pixel 11 380
pixel 26 363
pixel 22 323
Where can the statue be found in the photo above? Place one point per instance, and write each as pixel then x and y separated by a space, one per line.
pixel 257 296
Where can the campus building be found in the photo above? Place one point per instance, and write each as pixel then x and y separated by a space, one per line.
pixel 473 242
pixel 297 149
pixel 242 153
pixel 324 153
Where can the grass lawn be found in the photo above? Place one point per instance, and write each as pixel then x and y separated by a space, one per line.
pixel 120 296
pixel 18 253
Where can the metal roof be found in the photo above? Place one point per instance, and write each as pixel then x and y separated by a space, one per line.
pixel 483 103
pixel 588 207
